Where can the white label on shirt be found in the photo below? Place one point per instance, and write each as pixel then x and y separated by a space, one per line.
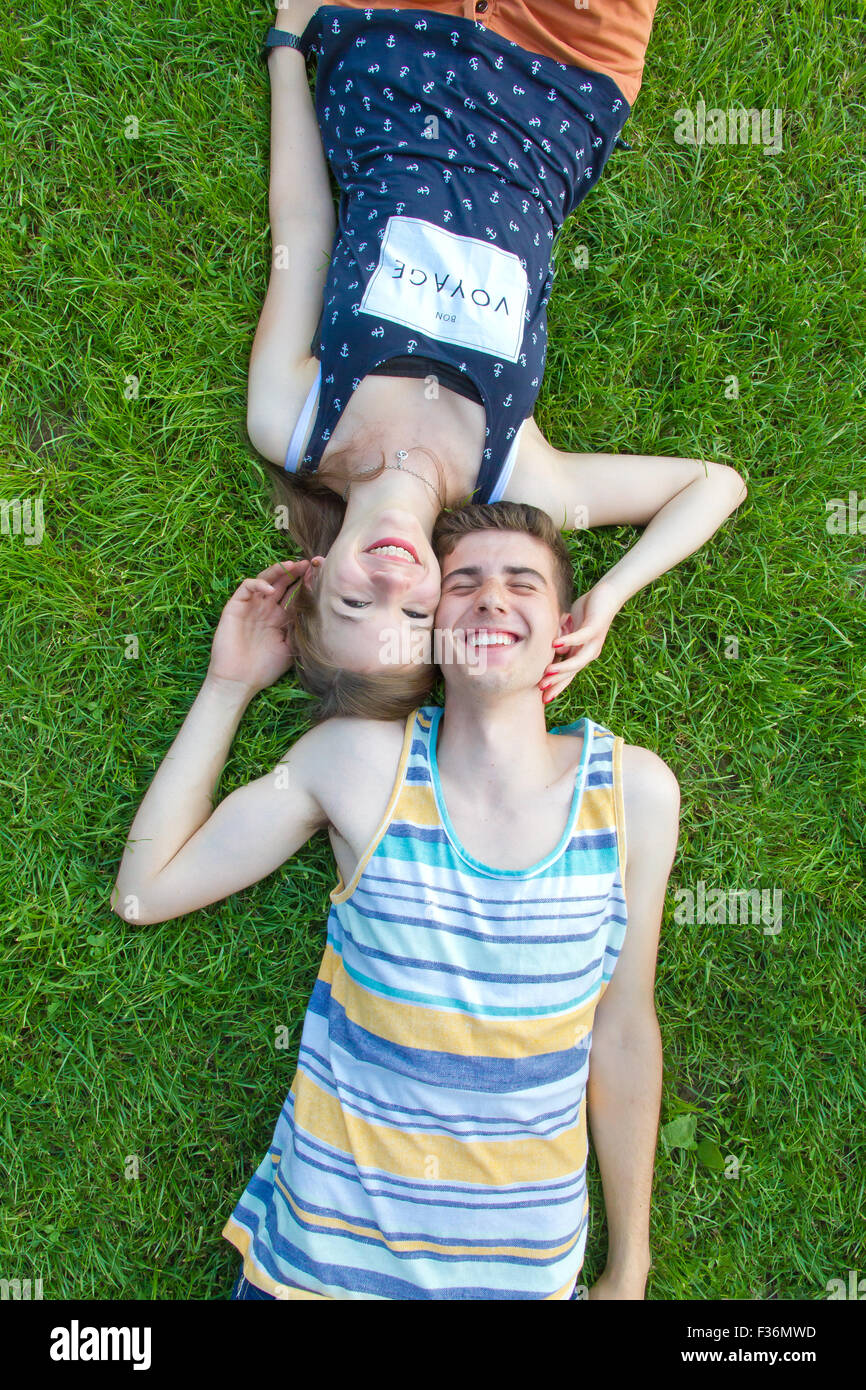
pixel 451 287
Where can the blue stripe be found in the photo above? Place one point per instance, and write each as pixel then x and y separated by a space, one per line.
pixel 446 1069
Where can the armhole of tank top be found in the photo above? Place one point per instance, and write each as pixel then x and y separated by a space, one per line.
pixel 507 468
pixel 299 432
pixel 619 807
pixel 342 893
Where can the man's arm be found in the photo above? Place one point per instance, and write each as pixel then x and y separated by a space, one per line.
pixel 182 854
pixel 625 1070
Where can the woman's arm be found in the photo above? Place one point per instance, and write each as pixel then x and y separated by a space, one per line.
pixel 680 502
pixel 303 224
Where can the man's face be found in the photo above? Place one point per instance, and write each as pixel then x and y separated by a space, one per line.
pixel 499 600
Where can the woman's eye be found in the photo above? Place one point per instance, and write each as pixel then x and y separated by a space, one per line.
pixel 410 614
pixel 354 603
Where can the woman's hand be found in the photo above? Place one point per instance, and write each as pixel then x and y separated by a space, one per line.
pixel 252 646
pixel 592 615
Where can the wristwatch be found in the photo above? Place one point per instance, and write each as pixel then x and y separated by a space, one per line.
pixel 278 38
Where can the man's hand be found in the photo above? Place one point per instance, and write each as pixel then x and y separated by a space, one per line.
pixel 252 645
pixel 592 615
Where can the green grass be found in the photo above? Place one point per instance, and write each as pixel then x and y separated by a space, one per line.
pixel 148 257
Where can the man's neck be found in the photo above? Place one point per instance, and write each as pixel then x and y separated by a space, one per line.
pixel 502 742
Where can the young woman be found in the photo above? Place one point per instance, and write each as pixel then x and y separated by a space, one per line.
pixel 399 377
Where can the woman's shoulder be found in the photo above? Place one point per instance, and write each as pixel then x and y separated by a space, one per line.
pixel 272 419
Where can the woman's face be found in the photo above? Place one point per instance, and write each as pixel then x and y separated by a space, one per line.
pixel 377 591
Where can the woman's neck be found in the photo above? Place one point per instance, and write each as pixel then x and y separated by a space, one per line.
pixel 389 415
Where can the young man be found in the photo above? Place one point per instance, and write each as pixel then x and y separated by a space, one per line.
pixel 498 911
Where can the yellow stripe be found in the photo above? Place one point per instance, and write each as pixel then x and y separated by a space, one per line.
pixel 417 805
pixel 341 894
pixel 409 1247
pixel 596 809
pixel 441 1030
pixel 440 1158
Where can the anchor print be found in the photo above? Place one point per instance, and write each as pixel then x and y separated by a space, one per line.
pixel 519 91
pixel 377 332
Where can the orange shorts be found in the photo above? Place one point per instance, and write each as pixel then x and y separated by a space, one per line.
pixel 609 36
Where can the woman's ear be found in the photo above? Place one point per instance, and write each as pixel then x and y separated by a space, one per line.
pixel 566 624
pixel 312 571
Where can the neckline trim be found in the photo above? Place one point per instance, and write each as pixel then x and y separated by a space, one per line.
pixel 550 858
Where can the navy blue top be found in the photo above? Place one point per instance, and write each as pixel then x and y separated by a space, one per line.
pixel 458 155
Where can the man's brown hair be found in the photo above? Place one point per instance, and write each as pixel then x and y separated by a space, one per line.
pixel 452 526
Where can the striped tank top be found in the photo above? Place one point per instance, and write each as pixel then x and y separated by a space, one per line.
pixel 433 1144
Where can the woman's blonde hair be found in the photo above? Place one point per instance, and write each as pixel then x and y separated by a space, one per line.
pixel 315 514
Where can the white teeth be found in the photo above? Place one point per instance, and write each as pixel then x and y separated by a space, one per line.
pixel 392 550
pixel 492 639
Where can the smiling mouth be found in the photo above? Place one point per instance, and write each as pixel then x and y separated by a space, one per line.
pixel 491 637
pixel 394 549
